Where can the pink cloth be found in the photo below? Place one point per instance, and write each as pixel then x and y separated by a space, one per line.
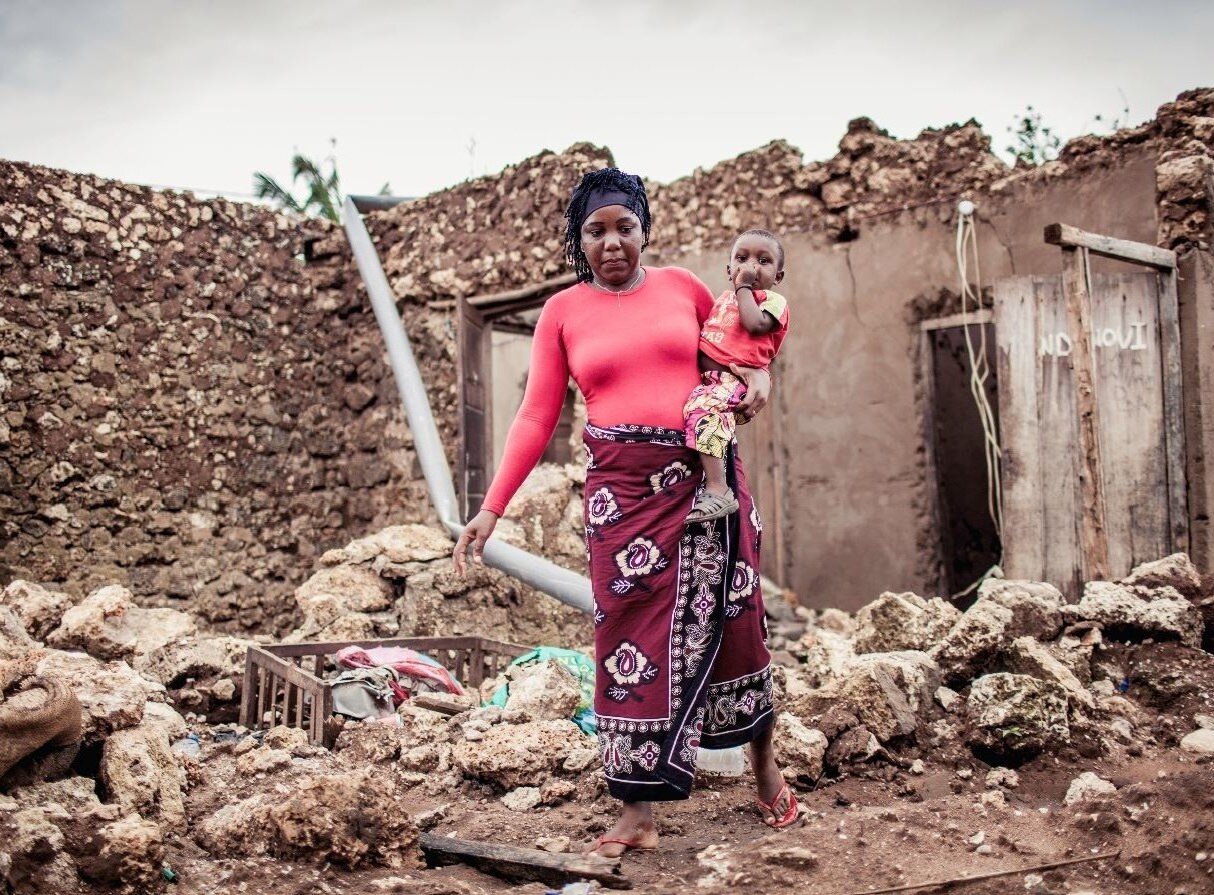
pixel 403 661
pixel 634 358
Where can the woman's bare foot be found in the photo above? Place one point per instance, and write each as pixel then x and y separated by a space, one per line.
pixel 635 828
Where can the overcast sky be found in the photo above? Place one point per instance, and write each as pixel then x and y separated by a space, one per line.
pixel 201 94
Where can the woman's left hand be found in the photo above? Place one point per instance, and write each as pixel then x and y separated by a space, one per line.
pixel 758 390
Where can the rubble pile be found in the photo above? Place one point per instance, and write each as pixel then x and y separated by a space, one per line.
pixel 145 770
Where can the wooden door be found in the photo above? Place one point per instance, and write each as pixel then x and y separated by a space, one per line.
pixel 475 437
pixel 1040 429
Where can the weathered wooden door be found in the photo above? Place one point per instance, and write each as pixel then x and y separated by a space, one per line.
pixel 475 437
pixel 1039 427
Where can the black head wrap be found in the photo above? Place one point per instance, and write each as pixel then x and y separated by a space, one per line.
pixel 606 186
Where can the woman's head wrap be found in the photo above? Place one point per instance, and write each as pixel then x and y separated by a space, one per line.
pixel 597 189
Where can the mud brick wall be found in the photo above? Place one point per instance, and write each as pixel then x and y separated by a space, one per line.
pixel 188 407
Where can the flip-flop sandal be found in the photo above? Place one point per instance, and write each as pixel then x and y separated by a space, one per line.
pixel 769 809
pixel 629 845
pixel 709 506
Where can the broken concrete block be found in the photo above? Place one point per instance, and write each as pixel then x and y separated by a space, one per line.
pixel 1199 742
pixel 546 691
pixel 108 624
pixel 1016 716
pixel 513 755
pixel 522 799
pixel 1122 612
pixel 15 641
pixel 828 653
pixel 1176 571
pixel 800 750
pixel 141 774
pixel 904 621
pixel 1027 656
pixel 974 641
pixel 1036 606
pixel 112 696
pixel 888 691
pixel 39 609
pixel 1086 786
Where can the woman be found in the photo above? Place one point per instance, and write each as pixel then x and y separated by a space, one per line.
pixel 678 612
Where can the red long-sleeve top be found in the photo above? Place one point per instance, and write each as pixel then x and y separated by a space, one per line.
pixel 633 357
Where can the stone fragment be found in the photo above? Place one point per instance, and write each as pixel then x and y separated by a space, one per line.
pixel 351 819
pixel 126 854
pixel 358 588
pixel 554 844
pixel 203 657
pixel 142 776
pixel 888 691
pixel 37 859
pixel 973 642
pixel 1086 786
pixel 39 609
pixel 546 691
pixel 283 737
pixel 800 750
pixel 1002 777
pixel 1122 612
pixel 15 642
pixel 557 790
pixel 827 654
pixel 1199 742
pixel 904 621
pixel 949 699
pixel 1175 571
pixel 108 624
pixel 1014 715
pixel 112 696
pixel 854 745
pixel 262 761
pixel 1027 656
pixel 514 755
pixel 1036 607
pixel 522 799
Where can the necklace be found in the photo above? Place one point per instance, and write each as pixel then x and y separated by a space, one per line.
pixel 635 282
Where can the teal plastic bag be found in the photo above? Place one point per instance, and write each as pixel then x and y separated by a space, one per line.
pixel 577 664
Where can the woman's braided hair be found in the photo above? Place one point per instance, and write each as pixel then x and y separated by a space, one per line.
pixel 575 215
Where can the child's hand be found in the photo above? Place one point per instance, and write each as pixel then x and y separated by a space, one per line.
pixel 745 275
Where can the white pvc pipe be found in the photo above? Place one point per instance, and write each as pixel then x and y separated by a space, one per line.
pixel 568 587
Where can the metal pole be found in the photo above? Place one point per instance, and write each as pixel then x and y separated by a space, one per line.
pixel 568 587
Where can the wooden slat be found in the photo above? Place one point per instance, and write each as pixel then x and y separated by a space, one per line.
pixel 1129 392
pixel 522 864
pixel 1122 249
pixel 538 291
pixel 436 703
pixel 262 684
pixel 421 644
pixel 1173 411
pixel 1059 498
pixel 1017 338
pixel 248 694
pixel 927 429
pixel 1092 534
pixel 982 315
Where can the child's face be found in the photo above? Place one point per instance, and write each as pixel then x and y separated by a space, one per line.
pixel 761 255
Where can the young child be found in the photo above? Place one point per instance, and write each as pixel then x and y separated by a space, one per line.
pixel 747 325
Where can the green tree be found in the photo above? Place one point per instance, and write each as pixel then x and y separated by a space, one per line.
pixel 321 194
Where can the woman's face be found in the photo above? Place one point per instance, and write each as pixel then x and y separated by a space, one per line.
pixel 611 239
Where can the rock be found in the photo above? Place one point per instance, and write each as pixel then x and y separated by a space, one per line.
pixel 351 819
pixel 950 700
pixel 854 745
pixel 283 737
pixel 917 767
pixel 108 624
pixel 973 642
pixel 38 608
pixel 887 691
pixel 905 621
pixel 546 691
pixel 514 755
pixel 1176 571
pixel 112 696
pixel 126 854
pixel 1027 656
pixel 554 844
pixel 203 657
pixel 358 588
pixel 141 774
pixel 1123 612
pixel 1086 786
pixel 1199 742
pixel 1015 716
pixel 167 718
pixel 827 654
pixel 993 799
pixel 1036 607
pixel 37 859
pixel 15 642
pixel 800 750
pixel 1002 777
pixel 396 544
pixel 555 791
pixel 262 761
pixel 522 799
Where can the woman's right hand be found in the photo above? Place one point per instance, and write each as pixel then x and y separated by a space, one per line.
pixel 471 544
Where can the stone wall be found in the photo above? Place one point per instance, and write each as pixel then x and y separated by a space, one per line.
pixel 188 408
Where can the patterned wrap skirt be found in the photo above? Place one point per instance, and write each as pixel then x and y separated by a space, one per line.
pixel 680 634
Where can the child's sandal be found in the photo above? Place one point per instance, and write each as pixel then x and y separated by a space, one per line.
pixel 709 506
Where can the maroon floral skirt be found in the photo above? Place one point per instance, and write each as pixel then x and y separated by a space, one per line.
pixel 680 636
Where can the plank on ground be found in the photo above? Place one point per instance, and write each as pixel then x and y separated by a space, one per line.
pixel 526 864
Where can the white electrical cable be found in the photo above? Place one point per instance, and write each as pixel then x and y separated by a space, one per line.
pixel 967 247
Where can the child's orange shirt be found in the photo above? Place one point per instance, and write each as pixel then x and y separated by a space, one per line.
pixel 725 340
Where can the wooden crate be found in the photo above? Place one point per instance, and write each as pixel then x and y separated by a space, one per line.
pixel 286 680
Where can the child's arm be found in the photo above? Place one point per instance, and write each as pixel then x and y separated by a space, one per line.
pixel 754 321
